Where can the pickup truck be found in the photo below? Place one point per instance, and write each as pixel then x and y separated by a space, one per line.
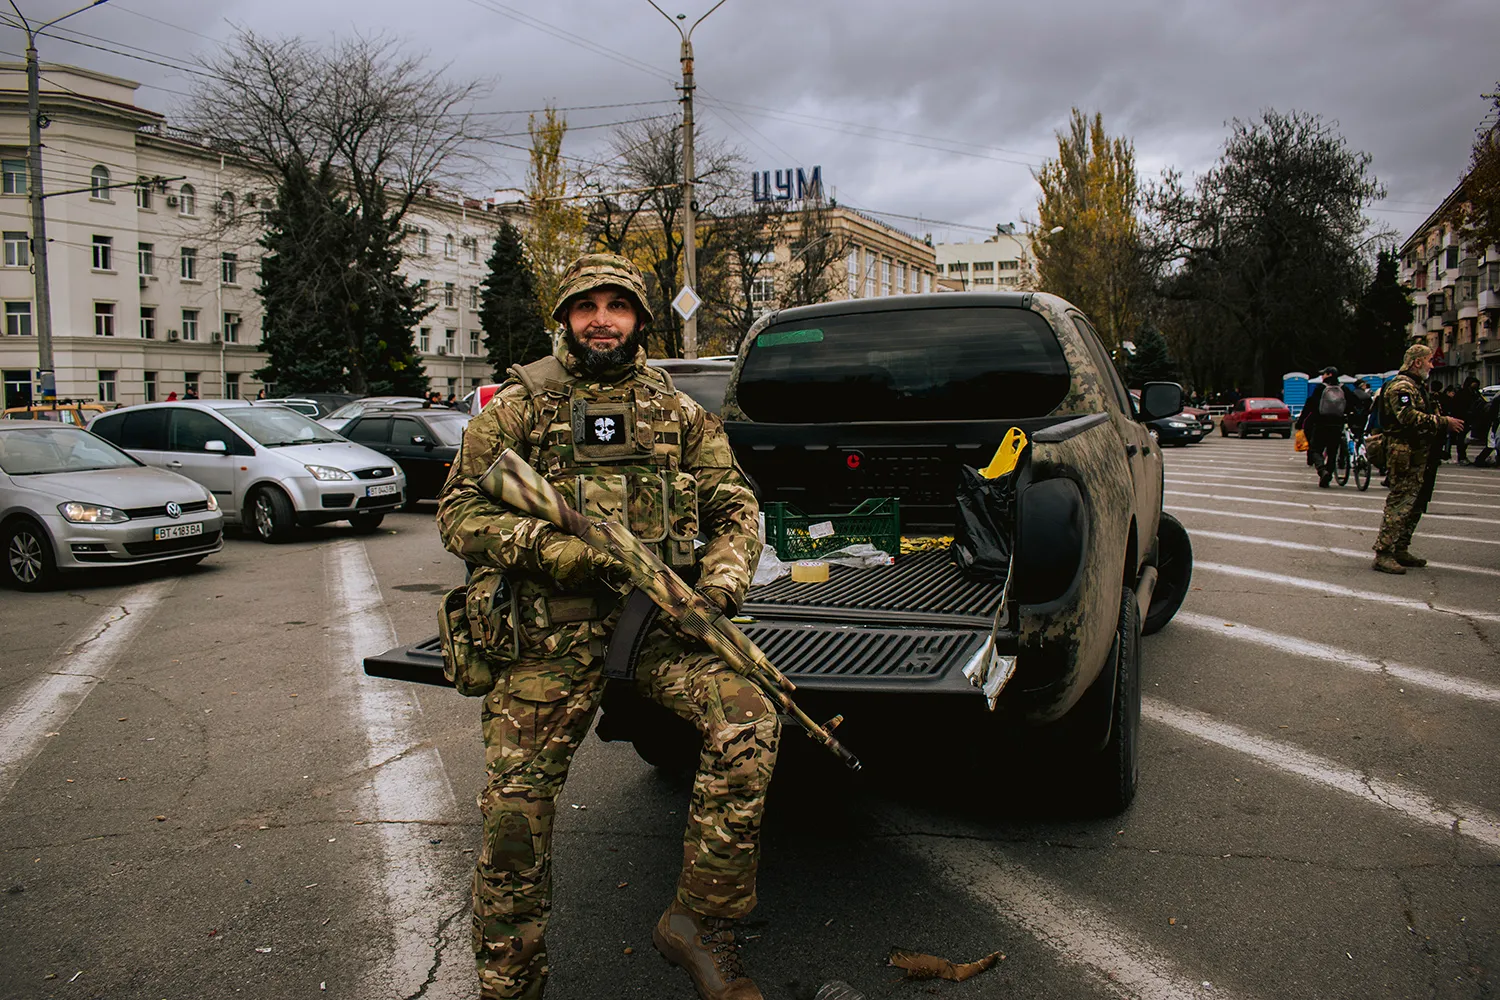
pixel 833 404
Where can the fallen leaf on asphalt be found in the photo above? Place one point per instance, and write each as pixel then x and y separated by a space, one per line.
pixel 630 951
pixel 160 819
pixel 1172 921
pixel 264 951
pixel 622 885
pixel 122 718
pixel 1229 624
pixel 920 966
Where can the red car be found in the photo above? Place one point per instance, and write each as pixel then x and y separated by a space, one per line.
pixel 1257 415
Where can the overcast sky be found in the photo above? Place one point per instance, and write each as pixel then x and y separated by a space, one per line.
pixel 937 110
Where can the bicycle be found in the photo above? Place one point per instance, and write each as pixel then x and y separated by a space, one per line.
pixel 1352 460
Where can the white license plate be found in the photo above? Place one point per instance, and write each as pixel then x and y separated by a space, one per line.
pixel 1270 416
pixel 176 531
pixel 383 490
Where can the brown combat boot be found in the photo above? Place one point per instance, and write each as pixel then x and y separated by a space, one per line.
pixel 1386 563
pixel 1405 558
pixel 705 947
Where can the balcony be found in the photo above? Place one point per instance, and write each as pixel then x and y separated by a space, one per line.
pixel 1464 354
pixel 1489 299
pixel 1435 323
pixel 1468 309
pixel 1468 267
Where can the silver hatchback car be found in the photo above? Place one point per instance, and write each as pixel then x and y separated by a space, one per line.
pixel 70 501
pixel 272 470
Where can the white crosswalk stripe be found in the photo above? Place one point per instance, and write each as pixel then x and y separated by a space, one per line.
pixel 1366 529
pixel 1318 507
pixel 1360 554
pixel 1337 590
pixel 1377 498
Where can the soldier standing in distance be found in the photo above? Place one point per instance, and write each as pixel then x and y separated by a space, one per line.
pixel 616 438
pixel 1414 430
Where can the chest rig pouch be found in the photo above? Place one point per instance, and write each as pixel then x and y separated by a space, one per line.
pixel 615 451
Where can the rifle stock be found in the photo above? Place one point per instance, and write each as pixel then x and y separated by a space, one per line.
pixel 513 481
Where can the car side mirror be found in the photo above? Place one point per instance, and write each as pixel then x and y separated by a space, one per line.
pixel 1160 399
pixel 218 447
pixel 418 439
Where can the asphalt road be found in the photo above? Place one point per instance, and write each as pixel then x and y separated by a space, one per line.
pixel 202 797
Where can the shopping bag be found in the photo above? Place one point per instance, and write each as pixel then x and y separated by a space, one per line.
pixel 1300 441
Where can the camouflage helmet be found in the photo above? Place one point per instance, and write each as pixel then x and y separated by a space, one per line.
pixel 600 270
pixel 1415 354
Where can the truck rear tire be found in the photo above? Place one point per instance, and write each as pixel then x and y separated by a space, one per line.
pixel 1106 778
pixel 1174 573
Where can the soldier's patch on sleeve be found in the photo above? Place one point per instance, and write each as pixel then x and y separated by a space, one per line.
pixel 1405 398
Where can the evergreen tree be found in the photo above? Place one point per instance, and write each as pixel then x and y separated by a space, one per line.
pixel 1152 361
pixel 508 307
pixel 339 314
pixel 1381 319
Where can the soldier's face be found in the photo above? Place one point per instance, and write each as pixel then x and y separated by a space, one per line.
pixel 602 319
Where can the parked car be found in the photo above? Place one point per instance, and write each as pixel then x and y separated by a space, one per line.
pixel 1263 415
pixel 423 442
pixel 64 411
pixel 272 470
pixel 1180 429
pixel 704 379
pixel 1201 415
pixel 72 501
pixel 341 416
pixel 297 404
pixel 832 405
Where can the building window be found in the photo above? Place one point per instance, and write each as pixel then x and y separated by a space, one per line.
pixel 474 297
pixel 148 322
pixel 231 328
pixel 229 269
pixel 1451 258
pixel 474 249
pixel 99 183
pixel 102 256
pixel 762 292
pixel 190 324
pixel 449 293
pixel 422 235
pixel 851 268
pixel 13 173
pixel 984 265
pixel 190 383
pixel 870 263
pixel 17 250
pixel 145 258
pixel 226 204
pixel 106 385
pixel 926 282
pixel 424 339
pixel 187 200
pixel 449 250
pixel 911 280
pixel 900 278
pixel 104 319
pixel 1010 265
pixel 885 277
pixel 450 341
pixel 143 196
pixel 231 385
pixel 18 319
pixel 474 343
pixel 422 290
pixel 150 380
pixel 189 260
pixel 985 281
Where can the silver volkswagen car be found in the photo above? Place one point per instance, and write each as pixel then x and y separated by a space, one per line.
pixel 71 501
pixel 272 470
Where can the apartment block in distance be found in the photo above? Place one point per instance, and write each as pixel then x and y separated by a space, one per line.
pixel 154 254
pixel 1001 263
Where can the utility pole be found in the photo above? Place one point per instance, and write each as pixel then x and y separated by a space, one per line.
pixel 45 369
pixel 689 205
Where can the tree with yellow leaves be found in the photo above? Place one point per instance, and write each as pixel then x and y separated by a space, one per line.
pixel 1087 241
pixel 556 221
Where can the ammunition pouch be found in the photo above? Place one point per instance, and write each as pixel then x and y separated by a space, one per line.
pixel 1375 449
pixel 465 664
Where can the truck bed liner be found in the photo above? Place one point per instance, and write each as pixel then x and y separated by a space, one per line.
pixel 924 583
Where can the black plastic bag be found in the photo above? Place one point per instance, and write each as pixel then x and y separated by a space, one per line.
pixel 986 523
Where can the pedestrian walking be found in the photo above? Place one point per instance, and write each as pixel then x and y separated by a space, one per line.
pixel 1322 420
pixel 1487 430
pixel 592 418
pixel 1465 404
pixel 1414 431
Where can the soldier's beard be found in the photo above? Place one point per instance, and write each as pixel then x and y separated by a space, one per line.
pixel 595 362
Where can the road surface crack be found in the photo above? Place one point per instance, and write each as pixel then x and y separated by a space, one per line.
pixel 124 613
pixel 440 945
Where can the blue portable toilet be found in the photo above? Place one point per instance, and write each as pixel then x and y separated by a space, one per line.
pixel 1294 391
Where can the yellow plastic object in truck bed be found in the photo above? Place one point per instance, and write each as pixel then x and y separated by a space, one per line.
pixel 1007 455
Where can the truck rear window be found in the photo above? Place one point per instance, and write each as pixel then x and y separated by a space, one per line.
pixel 905 365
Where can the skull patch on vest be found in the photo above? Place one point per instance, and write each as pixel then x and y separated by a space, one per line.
pixel 604 431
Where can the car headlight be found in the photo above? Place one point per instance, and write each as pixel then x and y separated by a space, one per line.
pixel 87 513
pixel 328 474
pixel 1177 423
pixel 213 502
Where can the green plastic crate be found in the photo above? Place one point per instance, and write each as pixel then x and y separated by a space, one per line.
pixel 876 521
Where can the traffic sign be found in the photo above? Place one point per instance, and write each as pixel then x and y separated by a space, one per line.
pixel 687 302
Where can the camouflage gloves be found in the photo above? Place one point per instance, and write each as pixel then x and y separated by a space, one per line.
pixel 575 565
pixel 722 598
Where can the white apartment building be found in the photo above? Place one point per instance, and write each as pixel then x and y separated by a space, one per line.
pixel 1001 263
pixel 153 284
pixel 1456 292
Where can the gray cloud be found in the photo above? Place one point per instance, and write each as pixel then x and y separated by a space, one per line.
pixel 993 81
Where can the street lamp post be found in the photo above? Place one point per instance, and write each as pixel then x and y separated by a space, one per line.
pixel 689 206
pixel 45 371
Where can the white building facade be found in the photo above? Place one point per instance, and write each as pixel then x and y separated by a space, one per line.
pixel 1001 263
pixel 153 253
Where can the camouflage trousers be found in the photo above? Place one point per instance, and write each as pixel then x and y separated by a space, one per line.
pixel 535 720
pixel 1412 473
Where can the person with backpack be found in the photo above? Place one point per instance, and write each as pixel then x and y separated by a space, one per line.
pixel 1322 420
pixel 1485 431
pixel 617 438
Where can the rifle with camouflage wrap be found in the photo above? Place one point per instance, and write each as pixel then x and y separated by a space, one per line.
pixel 513 481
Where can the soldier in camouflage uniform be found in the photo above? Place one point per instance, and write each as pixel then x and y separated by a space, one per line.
pixel 617 440
pixel 1414 429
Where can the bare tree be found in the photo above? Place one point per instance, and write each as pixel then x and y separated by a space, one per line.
pixel 818 246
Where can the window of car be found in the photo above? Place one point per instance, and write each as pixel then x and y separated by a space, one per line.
pixel 1105 364
pixel 39 450
pixel 1264 404
pixel 958 363
pixel 450 429
pixel 370 430
pixel 275 427
pixel 144 430
pixel 403 429
pixel 190 430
